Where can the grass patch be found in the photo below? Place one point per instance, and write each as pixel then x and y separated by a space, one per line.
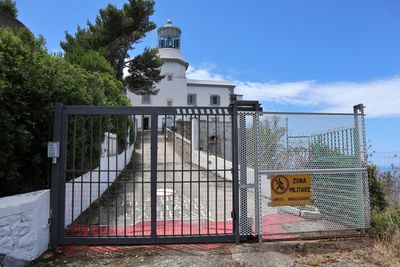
pixel 386 223
pixel 386 230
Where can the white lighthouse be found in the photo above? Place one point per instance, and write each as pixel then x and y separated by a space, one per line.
pixel 176 89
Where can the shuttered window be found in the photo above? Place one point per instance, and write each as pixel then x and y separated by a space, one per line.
pixel 192 99
pixel 214 100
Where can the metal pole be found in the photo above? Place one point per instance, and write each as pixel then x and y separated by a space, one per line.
pixel 357 150
pixel 356 110
pixel 62 177
pixel 257 177
pixel 153 149
pixel 55 177
pixel 235 174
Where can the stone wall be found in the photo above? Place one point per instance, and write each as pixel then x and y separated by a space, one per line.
pixel 24 225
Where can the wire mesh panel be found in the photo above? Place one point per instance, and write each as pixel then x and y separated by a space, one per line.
pixel 248 138
pixel 327 149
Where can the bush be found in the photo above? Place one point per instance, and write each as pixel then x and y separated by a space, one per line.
pixel 376 190
pixel 386 223
pixel 31 81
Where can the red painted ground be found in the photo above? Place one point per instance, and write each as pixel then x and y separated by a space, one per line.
pixel 271 225
pixel 163 229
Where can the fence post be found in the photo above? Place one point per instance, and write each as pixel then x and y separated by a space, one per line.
pixel 257 178
pixel 357 150
pixel 235 168
pixel 359 110
pixel 361 155
pixel 55 176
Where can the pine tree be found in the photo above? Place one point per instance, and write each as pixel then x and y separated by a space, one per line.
pixel 8 7
pixel 115 33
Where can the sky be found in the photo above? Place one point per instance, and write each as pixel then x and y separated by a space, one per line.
pixel 292 55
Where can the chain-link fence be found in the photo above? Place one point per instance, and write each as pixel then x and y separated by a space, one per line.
pixel 325 154
pixel 387 173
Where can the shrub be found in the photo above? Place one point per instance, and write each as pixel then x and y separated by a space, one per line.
pixel 31 81
pixel 376 190
pixel 386 223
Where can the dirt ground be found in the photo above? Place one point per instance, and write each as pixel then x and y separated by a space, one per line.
pixel 339 252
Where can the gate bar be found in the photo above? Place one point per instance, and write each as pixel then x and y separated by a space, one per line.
pixel 153 175
pixel 314 171
pixel 235 172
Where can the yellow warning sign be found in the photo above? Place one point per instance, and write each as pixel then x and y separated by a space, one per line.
pixel 291 189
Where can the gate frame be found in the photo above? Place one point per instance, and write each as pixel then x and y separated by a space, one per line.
pixel 58 180
pixel 238 213
pixel 361 168
pixel 57 192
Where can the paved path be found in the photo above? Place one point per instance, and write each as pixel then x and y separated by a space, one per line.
pixel 184 198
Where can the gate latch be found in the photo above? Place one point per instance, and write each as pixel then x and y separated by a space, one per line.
pixel 53 151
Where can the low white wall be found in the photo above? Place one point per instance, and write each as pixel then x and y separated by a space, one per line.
pixel 214 162
pixel 24 225
pixel 86 193
pixel 110 143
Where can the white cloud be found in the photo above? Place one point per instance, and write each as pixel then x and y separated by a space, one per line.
pixel 380 96
pixel 204 73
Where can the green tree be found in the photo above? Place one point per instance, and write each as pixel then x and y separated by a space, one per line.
pixel 90 60
pixel 8 7
pixel 31 81
pixel 115 33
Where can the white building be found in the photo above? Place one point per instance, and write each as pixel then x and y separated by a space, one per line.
pixel 176 89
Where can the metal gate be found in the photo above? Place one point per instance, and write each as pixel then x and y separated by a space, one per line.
pixel 153 175
pixel 326 148
pixel 129 175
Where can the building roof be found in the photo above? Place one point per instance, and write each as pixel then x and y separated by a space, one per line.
pixel 169 25
pixel 193 82
pixel 9 21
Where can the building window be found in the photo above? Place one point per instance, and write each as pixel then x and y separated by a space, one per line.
pixel 169 77
pixel 146 99
pixel 192 99
pixel 214 100
pixel 176 43
pixel 169 102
